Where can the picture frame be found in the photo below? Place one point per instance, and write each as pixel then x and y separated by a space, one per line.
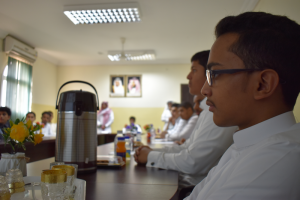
pixel 133 85
pixel 117 86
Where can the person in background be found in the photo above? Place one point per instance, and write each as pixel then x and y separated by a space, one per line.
pixel 197 99
pixel 174 119
pixel 207 143
pixel 253 83
pixel 5 114
pixel 187 114
pixel 53 125
pixel 132 123
pixel 46 130
pixel 166 114
pixel 31 116
pixel 105 118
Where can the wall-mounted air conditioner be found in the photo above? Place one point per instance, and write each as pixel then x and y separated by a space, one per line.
pixel 19 50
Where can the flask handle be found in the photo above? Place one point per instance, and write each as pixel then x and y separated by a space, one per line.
pixel 77 81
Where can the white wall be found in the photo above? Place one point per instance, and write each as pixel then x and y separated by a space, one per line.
pixel 160 83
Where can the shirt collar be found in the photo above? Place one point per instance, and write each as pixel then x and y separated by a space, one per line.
pixel 258 132
pixel 203 105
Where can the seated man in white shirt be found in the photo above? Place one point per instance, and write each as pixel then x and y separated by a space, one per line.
pixel 206 144
pixel 132 122
pixel 47 131
pixel 187 114
pixel 197 99
pixel 253 82
pixel 174 119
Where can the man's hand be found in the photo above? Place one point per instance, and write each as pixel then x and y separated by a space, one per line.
pixel 141 154
pixel 103 127
pixel 180 142
pixel 163 134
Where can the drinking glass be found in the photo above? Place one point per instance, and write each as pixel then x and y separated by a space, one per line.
pixel 14 179
pixel 70 190
pixel 4 191
pixel 56 163
pixel 53 184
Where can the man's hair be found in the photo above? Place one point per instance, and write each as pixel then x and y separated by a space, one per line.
pixel 187 105
pixel 132 118
pixel 202 58
pixel 30 113
pixel 47 113
pixel 50 112
pixel 6 109
pixel 267 42
pixel 176 105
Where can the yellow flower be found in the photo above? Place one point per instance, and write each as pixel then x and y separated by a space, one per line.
pixel 19 132
pixel 38 138
pixel 28 123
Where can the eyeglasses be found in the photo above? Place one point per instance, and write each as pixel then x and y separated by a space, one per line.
pixel 210 74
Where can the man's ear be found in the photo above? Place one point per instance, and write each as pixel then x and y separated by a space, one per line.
pixel 266 83
pixel 8 117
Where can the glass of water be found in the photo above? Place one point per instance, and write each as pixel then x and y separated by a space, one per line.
pixel 53 184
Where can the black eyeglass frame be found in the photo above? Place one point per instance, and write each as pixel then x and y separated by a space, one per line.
pixel 211 73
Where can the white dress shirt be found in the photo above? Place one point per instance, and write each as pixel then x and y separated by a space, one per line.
pixel 200 152
pixel 263 163
pixel 47 131
pixel 185 131
pixel 179 125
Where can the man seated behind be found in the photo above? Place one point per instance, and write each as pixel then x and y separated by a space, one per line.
pixel 5 114
pixel 47 131
pixel 30 116
pixel 174 119
pixel 186 113
pixel 206 144
pixel 253 82
pixel 132 121
pixel 197 99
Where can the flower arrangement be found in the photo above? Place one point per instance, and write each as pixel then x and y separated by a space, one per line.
pixel 130 127
pixel 148 127
pixel 21 132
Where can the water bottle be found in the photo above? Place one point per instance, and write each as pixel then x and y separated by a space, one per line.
pixel 128 146
pixel 152 131
pixel 139 137
pixel 119 134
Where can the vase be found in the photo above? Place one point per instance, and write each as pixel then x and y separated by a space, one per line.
pixel 13 161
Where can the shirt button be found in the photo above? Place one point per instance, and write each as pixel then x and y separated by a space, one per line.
pixel 152 163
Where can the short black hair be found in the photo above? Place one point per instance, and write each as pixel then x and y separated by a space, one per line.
pixel 6 109
pixel 30 113
pixel 175 105
pixel 267 41
pixel 47 113
pixel 202 58
pixel 132 118
pixel 187 105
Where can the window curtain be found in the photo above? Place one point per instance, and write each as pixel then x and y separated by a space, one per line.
pixel 18 90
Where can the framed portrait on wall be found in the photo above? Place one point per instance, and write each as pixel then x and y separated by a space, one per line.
pixel 134 85
pixel 117 86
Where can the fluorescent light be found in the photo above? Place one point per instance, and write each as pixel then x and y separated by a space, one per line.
pixel 132 55
pixel 109 13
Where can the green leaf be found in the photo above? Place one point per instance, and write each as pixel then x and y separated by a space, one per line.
pixel 11 123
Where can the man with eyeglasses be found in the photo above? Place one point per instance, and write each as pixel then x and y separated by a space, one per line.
pixel 207 143
pixel 253 82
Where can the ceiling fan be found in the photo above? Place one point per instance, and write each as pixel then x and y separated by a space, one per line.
pixel 130 55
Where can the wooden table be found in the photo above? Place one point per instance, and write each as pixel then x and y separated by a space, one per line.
pixel 130 182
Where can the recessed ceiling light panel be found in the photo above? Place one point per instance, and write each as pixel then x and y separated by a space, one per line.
pixel 132 55
pixel 103 13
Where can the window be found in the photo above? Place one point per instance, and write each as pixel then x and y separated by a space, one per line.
pixel 16 87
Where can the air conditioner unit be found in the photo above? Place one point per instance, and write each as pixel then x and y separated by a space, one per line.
pixel 19 50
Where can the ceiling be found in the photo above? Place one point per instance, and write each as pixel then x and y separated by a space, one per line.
pixel 174 29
